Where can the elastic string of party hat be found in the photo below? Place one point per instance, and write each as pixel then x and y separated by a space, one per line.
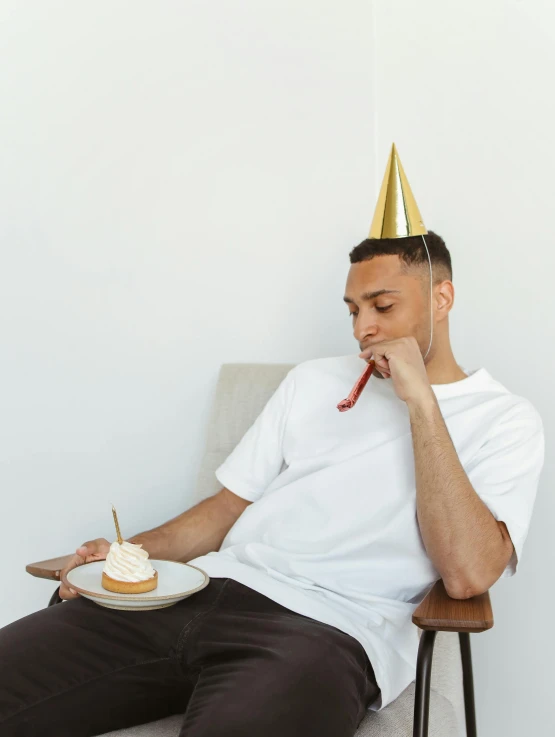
pixel 431 299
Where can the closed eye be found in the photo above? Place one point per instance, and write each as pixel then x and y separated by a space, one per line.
pixel 380 309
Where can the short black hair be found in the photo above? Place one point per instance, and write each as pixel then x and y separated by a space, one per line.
pixel 411 251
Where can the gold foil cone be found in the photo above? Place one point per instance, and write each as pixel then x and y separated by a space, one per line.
pixel 397 214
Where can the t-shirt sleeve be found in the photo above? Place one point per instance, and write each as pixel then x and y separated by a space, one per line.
pixel 506 471
pixel 258 457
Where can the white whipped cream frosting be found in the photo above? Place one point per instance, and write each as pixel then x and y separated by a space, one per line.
pixel 128 562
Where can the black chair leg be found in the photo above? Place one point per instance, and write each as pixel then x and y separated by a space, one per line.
pixel 55 598
pixel 423 680
pixel 468 684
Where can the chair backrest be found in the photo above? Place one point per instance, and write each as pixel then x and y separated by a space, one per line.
pixel 242 390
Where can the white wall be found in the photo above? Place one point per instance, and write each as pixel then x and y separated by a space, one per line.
pixel 180 188
pixel 465 90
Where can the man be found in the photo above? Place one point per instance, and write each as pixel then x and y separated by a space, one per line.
pixel 329 530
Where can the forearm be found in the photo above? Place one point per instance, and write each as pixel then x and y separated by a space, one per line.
pixel 196 532
pixel 461 536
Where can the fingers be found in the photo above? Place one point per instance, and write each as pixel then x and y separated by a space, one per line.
pixel 87 553
pixel 88 548
pixel 66 592
pixel 94 550
pixel 382 365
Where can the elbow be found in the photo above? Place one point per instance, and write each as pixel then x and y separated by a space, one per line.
pixel 466 588
pixel 461 589
pixel 478 581
pixel 464 584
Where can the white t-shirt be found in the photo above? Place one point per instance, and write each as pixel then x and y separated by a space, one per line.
pixel 333 532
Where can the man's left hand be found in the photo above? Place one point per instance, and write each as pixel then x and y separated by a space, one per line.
pixel 401 360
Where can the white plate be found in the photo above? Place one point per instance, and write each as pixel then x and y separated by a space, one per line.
pixel 176 581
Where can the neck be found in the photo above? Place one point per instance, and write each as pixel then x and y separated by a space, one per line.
pixel 443 369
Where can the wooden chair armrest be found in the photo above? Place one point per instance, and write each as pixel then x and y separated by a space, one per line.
pixel 49 568
pixel 438 611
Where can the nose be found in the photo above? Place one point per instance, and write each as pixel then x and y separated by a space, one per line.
pixel 365 331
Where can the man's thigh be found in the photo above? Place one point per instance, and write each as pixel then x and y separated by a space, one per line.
pixel 79 669
pixel 263 670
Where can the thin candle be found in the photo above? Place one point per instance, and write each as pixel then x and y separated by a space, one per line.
pixel 120 539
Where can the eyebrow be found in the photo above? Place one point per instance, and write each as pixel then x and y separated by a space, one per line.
pixel 372 295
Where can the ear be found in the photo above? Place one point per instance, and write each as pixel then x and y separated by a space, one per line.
pixel 444 296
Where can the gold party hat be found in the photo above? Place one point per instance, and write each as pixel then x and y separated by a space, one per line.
pixel 396 214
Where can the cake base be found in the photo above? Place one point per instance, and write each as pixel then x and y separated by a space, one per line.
pixel 129 587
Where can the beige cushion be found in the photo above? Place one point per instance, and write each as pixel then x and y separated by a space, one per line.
pixel 241 393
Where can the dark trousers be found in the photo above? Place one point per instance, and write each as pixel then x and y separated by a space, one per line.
pixel 232 661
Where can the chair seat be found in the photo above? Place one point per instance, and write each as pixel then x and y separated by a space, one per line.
pixel 393 721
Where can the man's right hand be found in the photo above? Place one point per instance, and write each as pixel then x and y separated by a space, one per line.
pixel 87 553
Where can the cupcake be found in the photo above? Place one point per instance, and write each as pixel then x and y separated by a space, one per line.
pixel 128 570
